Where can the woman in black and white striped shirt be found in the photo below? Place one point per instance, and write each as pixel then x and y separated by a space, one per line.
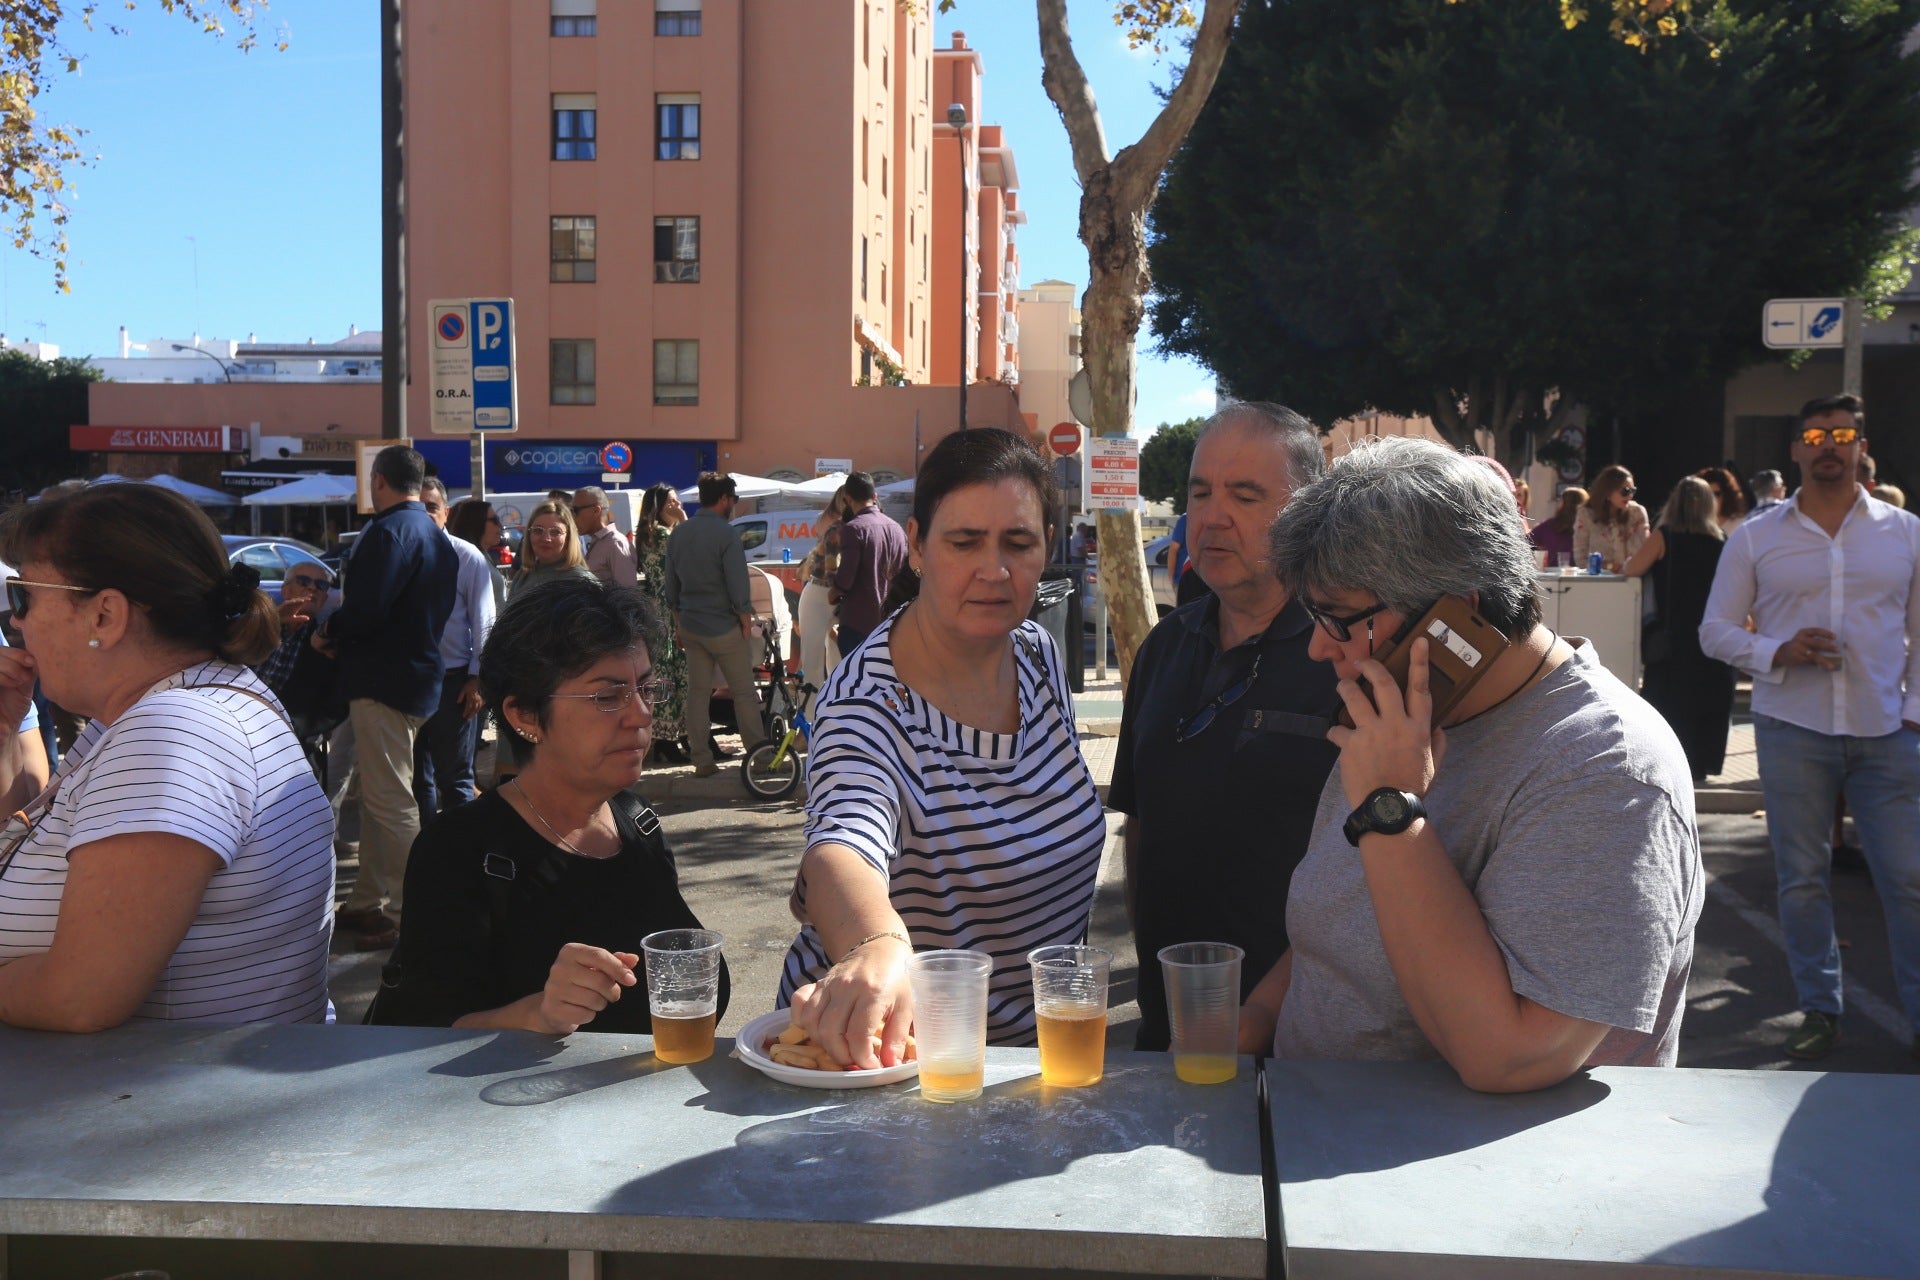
pixel 948 802
pixel 180 865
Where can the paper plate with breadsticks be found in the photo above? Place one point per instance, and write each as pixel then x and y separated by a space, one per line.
pixel 773 1046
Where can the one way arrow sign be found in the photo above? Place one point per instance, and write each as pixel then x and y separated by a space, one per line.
pixel 1792 323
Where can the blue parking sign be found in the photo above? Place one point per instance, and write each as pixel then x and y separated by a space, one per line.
pixel 474 385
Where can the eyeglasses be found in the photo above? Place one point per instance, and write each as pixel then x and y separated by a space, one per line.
pixel 1814 437
pixel 1196 724
pixel 614 698
pixel 1339 628
pixel 1628 490
pixel 21 599
pixel 310 582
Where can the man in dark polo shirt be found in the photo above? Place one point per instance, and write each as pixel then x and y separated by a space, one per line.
pixel 1223 749
pixel 872 550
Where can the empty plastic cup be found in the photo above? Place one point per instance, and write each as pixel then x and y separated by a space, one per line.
pixel 1203 1004
pixel 950 1022
pixel 683 992
pixel 1070 1007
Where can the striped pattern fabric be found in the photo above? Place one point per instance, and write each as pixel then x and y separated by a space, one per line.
pixel 989 841
pixel 223 770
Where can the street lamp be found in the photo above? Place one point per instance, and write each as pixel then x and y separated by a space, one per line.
pixel 957 117
pixel 202 351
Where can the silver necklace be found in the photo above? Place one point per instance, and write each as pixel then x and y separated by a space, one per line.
pixel 541 819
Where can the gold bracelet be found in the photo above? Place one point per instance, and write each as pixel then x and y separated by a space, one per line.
pixel 884 933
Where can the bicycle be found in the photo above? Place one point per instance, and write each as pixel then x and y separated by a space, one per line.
pixel 772 768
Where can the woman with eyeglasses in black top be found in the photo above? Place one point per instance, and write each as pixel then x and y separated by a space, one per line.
pixel 526 906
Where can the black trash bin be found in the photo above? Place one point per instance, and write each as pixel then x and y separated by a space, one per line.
pixel 1057 608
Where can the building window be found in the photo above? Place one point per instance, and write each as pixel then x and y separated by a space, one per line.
pixel 570 369
pixel 883 71
pixel 863 150
pixel 863 268
pixel 676 372
pixel 574 17
pixel 676 17
pixel 574 132
pixel 677 126
pixel 572 250
pixel 883 284
pixel 883 175
pixel 866 366
pixel 676 250
pixel 866 32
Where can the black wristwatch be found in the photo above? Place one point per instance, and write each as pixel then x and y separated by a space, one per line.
pixel 1385 810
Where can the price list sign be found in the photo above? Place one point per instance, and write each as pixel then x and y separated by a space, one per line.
pixel 1113 474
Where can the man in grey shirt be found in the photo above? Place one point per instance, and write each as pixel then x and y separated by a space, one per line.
pixel 712 605
pixel 1514 885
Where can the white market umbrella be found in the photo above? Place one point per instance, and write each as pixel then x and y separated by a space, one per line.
pixel 897 488
pixel 747 488
pixel 307 491
pixel 198 494
pixel 822 487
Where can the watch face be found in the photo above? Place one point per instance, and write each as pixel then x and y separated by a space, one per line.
pixel 1390 807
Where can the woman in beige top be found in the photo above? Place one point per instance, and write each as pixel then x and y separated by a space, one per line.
pixel 1611 522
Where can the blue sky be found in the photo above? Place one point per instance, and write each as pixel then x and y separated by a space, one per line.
pixel 265 168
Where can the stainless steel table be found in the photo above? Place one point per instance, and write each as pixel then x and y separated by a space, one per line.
pixel 590 1146
pixel 1390 1169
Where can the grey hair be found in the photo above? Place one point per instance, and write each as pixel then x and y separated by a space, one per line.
pixel 593 491
pixel 1691 508
pixel 433 482
pixel 1765 482
pixel 1306 459
pixel 1409 521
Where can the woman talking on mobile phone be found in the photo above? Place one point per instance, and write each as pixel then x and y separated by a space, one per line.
pixel 1514 887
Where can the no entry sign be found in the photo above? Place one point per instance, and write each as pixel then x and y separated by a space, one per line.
pixel 1064 439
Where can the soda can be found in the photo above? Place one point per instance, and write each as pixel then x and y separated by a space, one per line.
pixel 786 555
pixel 1593 563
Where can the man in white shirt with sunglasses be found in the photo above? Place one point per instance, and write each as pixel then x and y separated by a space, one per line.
pixel 1831 579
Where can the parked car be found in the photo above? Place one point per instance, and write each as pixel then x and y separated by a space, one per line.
pixel 1159 577
pixel 274 558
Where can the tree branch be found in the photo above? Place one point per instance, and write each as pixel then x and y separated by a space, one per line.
pixel 1137 168
pixel 1066 84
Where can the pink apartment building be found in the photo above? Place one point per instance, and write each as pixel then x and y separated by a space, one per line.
pixel 717 220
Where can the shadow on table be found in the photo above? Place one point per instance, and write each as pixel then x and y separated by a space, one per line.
pixel 1316 1102
pixel 1840 1198
pixel 923 1153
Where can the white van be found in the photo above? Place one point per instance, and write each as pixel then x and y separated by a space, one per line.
pixel 778 541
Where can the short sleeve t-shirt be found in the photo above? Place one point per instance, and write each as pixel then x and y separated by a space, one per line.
pixel 222 769
pixel 1569 814
pixel 988 841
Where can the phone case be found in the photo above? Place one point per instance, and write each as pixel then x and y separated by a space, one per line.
pixel 1461 648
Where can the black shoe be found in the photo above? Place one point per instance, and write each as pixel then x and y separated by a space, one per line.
pixel 665 752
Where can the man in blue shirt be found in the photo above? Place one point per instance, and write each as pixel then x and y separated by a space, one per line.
pixel 398 593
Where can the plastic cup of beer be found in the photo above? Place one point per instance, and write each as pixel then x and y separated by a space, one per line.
pixel 683 992
pixel 1070 1006
pixel 950 1022
pixel 1203 1006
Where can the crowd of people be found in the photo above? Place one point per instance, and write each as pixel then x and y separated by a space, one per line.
pixel 1508 880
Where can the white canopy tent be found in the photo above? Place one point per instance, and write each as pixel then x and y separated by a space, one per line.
pixel 899 488
pixel 821 487
pixel 747 488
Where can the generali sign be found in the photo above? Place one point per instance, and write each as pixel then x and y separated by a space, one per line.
pixel 154 439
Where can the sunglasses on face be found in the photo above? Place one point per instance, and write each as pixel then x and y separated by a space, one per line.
pixel 1628 489
pixel 1340 628
pixel 1814 437
pixel 310 582
pixel 21 599
pixel 615 698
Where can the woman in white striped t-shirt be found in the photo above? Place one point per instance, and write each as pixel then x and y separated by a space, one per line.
pixel 948 804
pixel 180 865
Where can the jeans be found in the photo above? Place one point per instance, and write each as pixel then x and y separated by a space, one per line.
pixel 443 754
pixel 1801 774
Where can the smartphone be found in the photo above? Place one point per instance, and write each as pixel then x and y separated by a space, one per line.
pixel 1461 648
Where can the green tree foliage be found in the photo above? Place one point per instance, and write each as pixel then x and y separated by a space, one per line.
pixel 1165 460
pixel 1456 209
pixel 39 400
pixel 36 158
